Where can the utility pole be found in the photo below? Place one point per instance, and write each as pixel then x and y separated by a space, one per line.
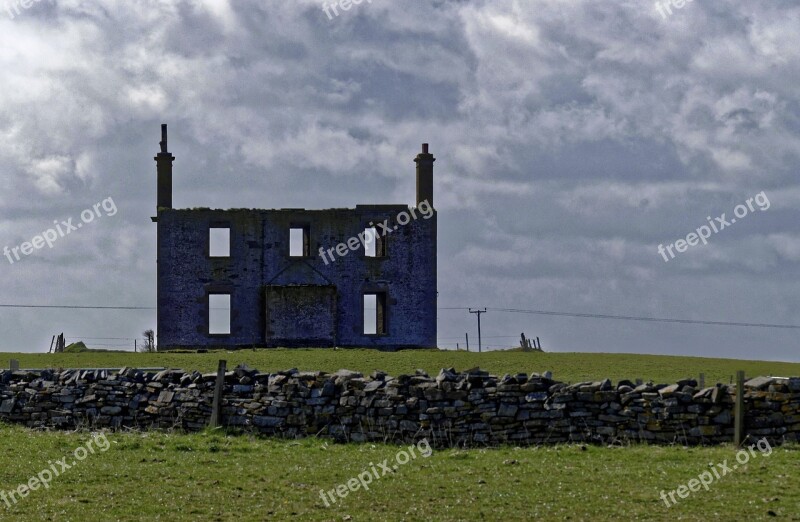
pixel 478 312
pixel 467 334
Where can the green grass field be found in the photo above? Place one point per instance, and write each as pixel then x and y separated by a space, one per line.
pixel 567 367
pixel 216 476
pixel 208 476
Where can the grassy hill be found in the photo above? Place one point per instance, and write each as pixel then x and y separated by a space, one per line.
pixel 78 347
pixel 567 367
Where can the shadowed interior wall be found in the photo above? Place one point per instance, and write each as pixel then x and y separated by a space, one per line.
pixel 313 313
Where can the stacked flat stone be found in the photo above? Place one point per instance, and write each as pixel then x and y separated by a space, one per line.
pixel 454 409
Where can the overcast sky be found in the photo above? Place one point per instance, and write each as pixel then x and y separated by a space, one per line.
pixel 572 138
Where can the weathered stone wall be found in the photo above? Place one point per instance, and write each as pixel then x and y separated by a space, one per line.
pixel 259 259
pixel 471 408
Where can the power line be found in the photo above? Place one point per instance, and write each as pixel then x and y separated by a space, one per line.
pixel 100 338
pixel 650 319
pixel 632 318
pixel 507 310
pixel 73 307
pixel 486 337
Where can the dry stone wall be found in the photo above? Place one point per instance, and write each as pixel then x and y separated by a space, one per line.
pixel 467 409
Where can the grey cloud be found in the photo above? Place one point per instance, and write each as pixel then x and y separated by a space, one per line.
pixel 571 139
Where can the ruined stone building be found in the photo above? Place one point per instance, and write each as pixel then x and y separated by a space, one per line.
pixel 350 277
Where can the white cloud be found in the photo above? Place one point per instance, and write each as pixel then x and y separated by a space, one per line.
pixel 571 136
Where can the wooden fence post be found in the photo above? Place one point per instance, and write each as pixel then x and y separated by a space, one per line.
pixel 14 365
pixel 216 407
pixel 738 427
pixel 702 380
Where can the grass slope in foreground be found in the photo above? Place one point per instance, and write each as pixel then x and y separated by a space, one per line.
pixel 566 367
pixel 210 476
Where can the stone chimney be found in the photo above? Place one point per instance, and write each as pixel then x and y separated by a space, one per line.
pixel 424 162
pixel 164 169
